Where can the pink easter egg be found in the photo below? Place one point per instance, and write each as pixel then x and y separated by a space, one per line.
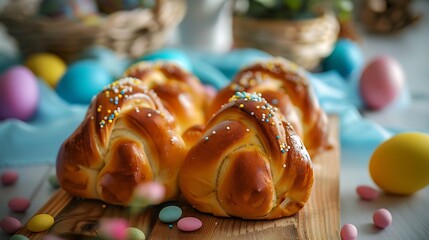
pixel 10 225
pixel 382 218
pixel 189 224
pixel 19 204
pixel 9 177
pixel 381 82
pixel 367 193
pixel 19 94
pixel 349 232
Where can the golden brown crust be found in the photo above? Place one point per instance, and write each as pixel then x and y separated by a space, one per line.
pixel 126 138
pixel 249 163
pixel 285 86
pixel 181 92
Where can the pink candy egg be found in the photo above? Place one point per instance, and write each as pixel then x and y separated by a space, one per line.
pixel 9 177
pixel 19 94
pixel 10 225
pixel 19 204
pixel 382 218
pixel 381 82
pixel 367 193
pixel 349 232
pixel 189 224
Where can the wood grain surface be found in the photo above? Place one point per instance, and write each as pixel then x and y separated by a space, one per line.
pixel 319 219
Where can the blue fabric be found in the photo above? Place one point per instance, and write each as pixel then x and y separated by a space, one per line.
pixel 38 140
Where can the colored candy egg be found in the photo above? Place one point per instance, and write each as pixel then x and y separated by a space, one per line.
pixel 83 80
pixel 349 232
pixel 47 66
pixel 18 237
pixel 10 225
pixel 170 214
pixel 106 58
pixel 134 234
pixel 367 193
pixel 189 224
pixel 19 204
pixel 346 58
pixel 399 165
pixel 382 218
pixel 173 55
pixel 40 223
pixel 19 94
pixel 381 82
pixel 53 180
pixel 9 177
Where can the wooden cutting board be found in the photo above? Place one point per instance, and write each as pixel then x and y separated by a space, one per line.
pixel 319 219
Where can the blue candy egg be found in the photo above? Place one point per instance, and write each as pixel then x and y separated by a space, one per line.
pixel 346 58
pixel 169 54
pixel 83 80
pixel 107 58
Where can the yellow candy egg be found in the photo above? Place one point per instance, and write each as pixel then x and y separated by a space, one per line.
pixel 400 165
pixel 40 223
pixel 47 66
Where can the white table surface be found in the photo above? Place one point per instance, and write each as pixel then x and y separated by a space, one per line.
pixel 410 214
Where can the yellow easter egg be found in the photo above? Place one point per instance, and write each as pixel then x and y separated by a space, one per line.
pixel 47 66
pixel 400 165
pixel 40 223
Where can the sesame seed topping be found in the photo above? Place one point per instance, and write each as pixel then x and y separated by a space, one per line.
pixel 214 132
pixel 149 115
pixel 227 128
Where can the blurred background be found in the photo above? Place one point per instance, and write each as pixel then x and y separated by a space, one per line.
pixel 364 55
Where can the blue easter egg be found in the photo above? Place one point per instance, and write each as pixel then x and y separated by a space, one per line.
pixel 346 58
pixel 107 58
pixel 169 54
pixel 83 80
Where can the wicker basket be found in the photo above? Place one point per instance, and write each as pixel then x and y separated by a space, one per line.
pixel 130 33
pixel 305 42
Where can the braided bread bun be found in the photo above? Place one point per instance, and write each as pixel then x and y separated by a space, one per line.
pixel 181 93
pixel 126 138
pixel 249 163
pixel 285 86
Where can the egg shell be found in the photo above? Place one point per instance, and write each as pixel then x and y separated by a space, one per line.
pixel 83 80
pixel 19 93
pixel 367 193
pixel 9 177
pixel 169 54
pixel 382 218
pixel 399 165
pixel 346 58
pixel 47 66
pixel 170 214
pixel 19 204
pixel 40 222
pixel 10 225
pixel 381 82
pixel 349 232
pixel 134 234
pixel 189 224
pixel 18 237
